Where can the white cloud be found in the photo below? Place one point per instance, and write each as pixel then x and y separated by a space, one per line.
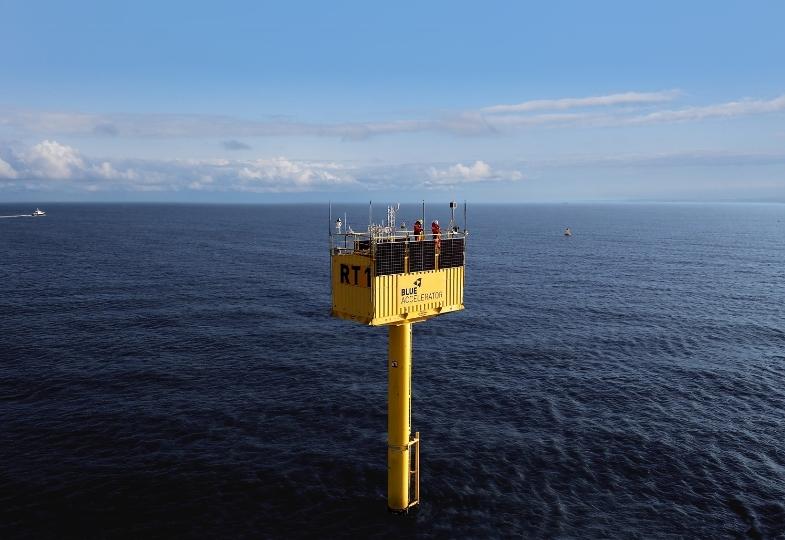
pixel 519 120
pixel 66 169
pixel 280 170
pixel 731 109
pixel 51 164
pixel 106 170
pixel 607 110
pixel 50 159
pixel 202 183
pixel 626 98
pixel 477 171
pixel 721 110
pixel 6 171
pixel 459 173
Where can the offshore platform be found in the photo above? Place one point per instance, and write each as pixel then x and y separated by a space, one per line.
pixel 392 275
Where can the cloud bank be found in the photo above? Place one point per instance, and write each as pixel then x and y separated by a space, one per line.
pixel 620 109
pixel 52 165
pixel 55 167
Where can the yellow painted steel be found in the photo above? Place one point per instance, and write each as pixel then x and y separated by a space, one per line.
pixel 352 287
pixel 360 295
pixel 399 396
pixel 416 296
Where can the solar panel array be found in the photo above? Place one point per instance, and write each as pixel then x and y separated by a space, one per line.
pixel 451 255
pixel 390 255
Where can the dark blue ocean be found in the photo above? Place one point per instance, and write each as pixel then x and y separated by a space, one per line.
pixel 171 371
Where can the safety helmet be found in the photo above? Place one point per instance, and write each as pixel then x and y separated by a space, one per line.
pixel 435 222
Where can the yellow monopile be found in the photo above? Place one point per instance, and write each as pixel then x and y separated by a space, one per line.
pixel 399 395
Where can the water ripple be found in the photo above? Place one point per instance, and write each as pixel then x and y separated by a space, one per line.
pixel 172 372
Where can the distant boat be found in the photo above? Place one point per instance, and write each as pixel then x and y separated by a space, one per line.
pixel 38 213
pixel 567 232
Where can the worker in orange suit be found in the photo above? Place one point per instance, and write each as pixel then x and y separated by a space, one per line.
pixel 419 234
pixel 437 234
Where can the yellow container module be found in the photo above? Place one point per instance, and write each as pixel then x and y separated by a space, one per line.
pixel 360 295
pixel 395 277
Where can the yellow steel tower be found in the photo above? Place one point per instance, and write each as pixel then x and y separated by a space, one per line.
pixel 395 276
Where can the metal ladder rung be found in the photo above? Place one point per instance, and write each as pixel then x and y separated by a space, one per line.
pixel 415 442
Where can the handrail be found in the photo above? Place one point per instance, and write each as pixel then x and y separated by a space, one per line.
pixel 351 239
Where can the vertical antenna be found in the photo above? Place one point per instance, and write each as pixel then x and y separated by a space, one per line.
pixel 465 232
pixel 423 213
pixel 370 214
pixel 330 225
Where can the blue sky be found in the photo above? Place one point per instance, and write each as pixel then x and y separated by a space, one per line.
pixel 295 101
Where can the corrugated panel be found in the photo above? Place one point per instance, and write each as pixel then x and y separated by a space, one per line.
pixel 455 286
pixel 351 287
pixel 445 286
pixel 385 290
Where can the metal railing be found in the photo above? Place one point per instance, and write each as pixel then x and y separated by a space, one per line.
pixel 400 251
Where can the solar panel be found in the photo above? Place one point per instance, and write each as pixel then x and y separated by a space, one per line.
pixel 421 256
pixel 451 255
pixel 390 258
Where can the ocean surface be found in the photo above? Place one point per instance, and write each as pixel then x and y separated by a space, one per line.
pixel 171 371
